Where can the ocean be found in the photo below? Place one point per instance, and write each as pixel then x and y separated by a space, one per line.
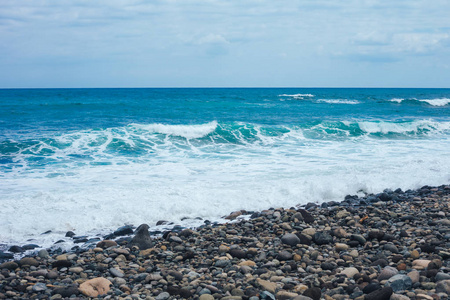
pixel 91 160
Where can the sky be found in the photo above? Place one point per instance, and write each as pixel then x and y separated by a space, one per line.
pixel 224 43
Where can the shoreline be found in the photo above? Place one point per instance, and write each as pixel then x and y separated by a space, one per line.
pixel 392 245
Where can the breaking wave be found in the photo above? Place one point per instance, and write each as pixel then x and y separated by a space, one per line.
pixel 432 102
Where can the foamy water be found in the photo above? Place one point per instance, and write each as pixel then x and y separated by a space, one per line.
pixel 186 156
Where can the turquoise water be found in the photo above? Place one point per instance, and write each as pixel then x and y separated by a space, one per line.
pixel 95 159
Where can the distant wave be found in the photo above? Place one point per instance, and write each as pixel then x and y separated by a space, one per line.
pixel 433 102
pixel 339 101
pixel 297 96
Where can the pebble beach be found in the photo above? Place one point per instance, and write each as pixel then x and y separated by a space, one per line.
pixel 391 245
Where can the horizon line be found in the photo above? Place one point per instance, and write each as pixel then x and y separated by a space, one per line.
pixel 217 87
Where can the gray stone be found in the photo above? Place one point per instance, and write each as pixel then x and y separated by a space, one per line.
pixel 399 282
pixel 115 272
pixel 222 263
pixel 443 286
pixel 284 255
pixel 43 253
pixel 290 239
pixel 387 273
pixel 142 238
pixel 163 296
pixel 391 247
pixel 359 238
pixel 174 238
pixel 39 287
pixel 442 276
pixel 321 238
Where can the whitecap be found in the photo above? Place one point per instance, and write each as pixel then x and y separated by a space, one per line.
pixel 338 101
pixel 186 131
pixel 297 96
pixel 437 102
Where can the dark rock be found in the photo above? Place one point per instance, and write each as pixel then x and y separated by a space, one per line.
pixel 61 264
pixel 430 273
pixel 290 239
pixel 384 197
pixel 16 249
pixel 321 238
pixel 303 238
pixel 307 217
pixel 435 264
pixel 359 238
pixel 388 237
pixel 328 266
pixel 353 244
pixel 403 233
pixel 238 253
pixel 371 287
pixel 30 246
pixel 376 234
pixel 428 248
pixel 381 294
pixel 4 255
pixel 70 234
pixel 189 254
pixel 186 233
pixel 380 262
pixel 313 293
pixel 67 291
pixel 284 255
pixel 177 275
pixel 124 230
pixel 142 238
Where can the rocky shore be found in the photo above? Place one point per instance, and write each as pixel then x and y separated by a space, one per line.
pixel 393 245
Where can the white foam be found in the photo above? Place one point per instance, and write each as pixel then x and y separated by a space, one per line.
pixel 398 100
pixel 339 101
pixel 297 96
pixel 405 128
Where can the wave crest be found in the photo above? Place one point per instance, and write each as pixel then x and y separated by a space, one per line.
pixel 185 131
pixel 432 102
